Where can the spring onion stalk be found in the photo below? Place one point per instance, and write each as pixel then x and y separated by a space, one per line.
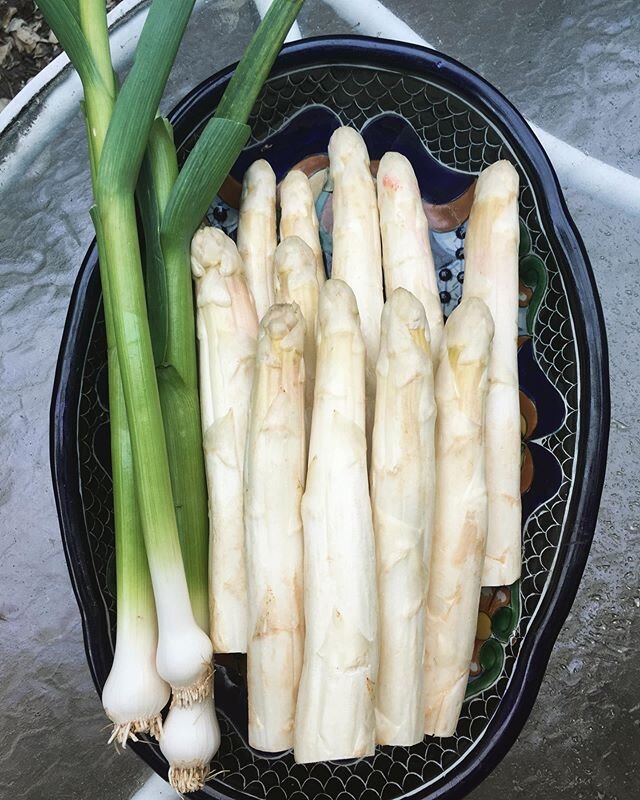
pixel 134 694
pixel 190 735
pixel 190 738
pixel 227 329
pixel 460 530
pixel 170 289
pixel 491 273
pixel 276 446
pixel 406 251
pixel 402 499
pixel 296 282
pixel 257 232
pixel 356 242
pixel 335 710
pixel 298 216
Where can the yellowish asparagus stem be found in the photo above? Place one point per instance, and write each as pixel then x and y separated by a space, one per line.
pixel 274 477
pixel 402 499
pixel 491 274
pixel 335 712
pixel 357 258
pixel 406 251
pixel 257 232
pixel 460 530
pixel 227 328
pixel 298 216
pixel 296 282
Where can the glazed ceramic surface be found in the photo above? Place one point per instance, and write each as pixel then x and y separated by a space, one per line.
pixel 451 124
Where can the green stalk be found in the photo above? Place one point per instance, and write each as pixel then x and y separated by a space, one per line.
pixel 117 174
pixel 226 133
pixel 157 176
pixel 92 17
pixel 181 411
pixel 255 65
pixel 171 291
pixel 134 591
pixel 64 20
pixel 131 711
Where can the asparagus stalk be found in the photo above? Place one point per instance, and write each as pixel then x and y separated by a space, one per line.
pixel 227 328
pixel 356 242
pixel 335 711
pixel 298 216
pixel 257 232
pixel 491 274
pixel 460 530
pixel 273 525
pixel 402 498
pixel 406 251
pixel 296 282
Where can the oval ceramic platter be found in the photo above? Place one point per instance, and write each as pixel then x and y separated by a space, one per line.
pixel 451 124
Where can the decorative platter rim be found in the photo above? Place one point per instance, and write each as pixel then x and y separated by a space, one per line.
pixel 593 402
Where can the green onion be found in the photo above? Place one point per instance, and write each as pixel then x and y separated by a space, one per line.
pixel 170 297
pixel 134 694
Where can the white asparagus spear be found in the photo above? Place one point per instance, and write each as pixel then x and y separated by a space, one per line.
pixel 257 232
pixel 460 529
pixel 406 252
pixel 357 258
pixel 402 499
pixel 296 282
pixel 227 329
pixel 274 477
pixel 491 273
pixel 298 216
pixel 335 713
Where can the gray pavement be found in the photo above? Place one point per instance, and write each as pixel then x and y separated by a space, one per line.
pixel 573 68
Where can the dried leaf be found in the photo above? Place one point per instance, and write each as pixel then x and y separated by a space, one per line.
pixel 6 16
pixel 16 22
pixel 5 49
pixel 53 39
pixel 24 37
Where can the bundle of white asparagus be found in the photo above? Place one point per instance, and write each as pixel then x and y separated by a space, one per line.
pixel 359 458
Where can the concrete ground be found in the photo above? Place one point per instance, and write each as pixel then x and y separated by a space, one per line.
pixel 573 68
